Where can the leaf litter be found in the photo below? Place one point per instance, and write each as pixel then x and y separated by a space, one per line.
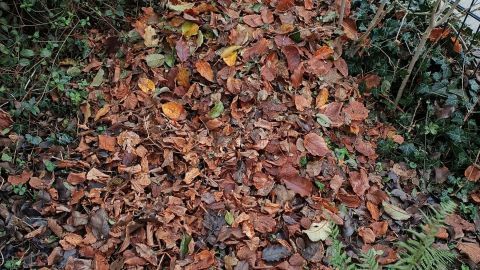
pixel 246 141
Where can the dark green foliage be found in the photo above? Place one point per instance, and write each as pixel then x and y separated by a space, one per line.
pixel 439 95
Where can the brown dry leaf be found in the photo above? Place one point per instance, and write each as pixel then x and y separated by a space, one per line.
pixel 379 228
pixel 19 179
pixel 472 250
pixel 203 260
pixel 372 81
pixel 336 183
pixel 301 103
pixel 350 29
pixel 300 185
pixel 438 34
pixel 374 211
pixel 191 175
pixel 368 236
pixel 73 239
pixel 100 262
pixel 259 48
pixel 297 75
pixel 293 56
pixel 205 70
pixel 356 111
pixel 322 98
pixel 95 175
pixel 107 143
pixel 149 37
pixel 315 145
pixel 147 253
pixel 341 66
pixel 359 181
pixel 284 5
pixel 350 200
pixel 457 46
pixel 55 228
pixel 5 120
pixel 173 110
pixel 324 52
pixel 102 112
pixel 183 77
pixel 76 178
pixel 253 20
pixel 183 51
pixel 146 85
pixel 472 173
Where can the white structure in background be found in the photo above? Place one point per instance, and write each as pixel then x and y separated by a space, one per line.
pixel 471 21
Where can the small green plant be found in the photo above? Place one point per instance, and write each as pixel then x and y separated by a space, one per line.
pixel 420 254
pixel 13 264
pixel 19 189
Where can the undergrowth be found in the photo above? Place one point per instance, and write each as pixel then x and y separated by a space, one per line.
pixel 419 252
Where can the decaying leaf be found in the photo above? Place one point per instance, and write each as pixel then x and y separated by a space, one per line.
pixel 204 68
pixel 173 110
pixel 315 145
pixel 395 212
pixel 149 37
pixel 189 29
pixel 472 173
pixel 319 231
pixel 146 85
pixel 275 253
pixel 229 55
pixel 472 250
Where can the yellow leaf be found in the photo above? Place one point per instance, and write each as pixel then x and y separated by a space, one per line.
pixel 149 37
pixel 146 85
pixel 189 29
pixel 103 111
pixel 173 110
pixel 322 98
pixel 229 55
pixel 183 77
pixel 319 231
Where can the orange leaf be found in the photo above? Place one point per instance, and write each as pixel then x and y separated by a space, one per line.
pixel 324 52
pixel 315 145
pixel 457 46
pixel 472 173
pixel 183 77
pixel 205 70
pixel 350 29
pixel 173 110
pixel 146 85
pixel 322 98
pixel 438 33
pixel 19 179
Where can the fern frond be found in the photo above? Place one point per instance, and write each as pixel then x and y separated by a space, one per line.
pixel 419 251
pixel 338 258
pixel 368 260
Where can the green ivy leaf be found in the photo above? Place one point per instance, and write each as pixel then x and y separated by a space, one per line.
pixel 323 120
pixel 45 53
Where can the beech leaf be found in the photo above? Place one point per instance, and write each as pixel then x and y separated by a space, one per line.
pixel 319 231
pixel 395 212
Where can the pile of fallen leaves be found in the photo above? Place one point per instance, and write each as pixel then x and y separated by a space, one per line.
pixel 234 133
